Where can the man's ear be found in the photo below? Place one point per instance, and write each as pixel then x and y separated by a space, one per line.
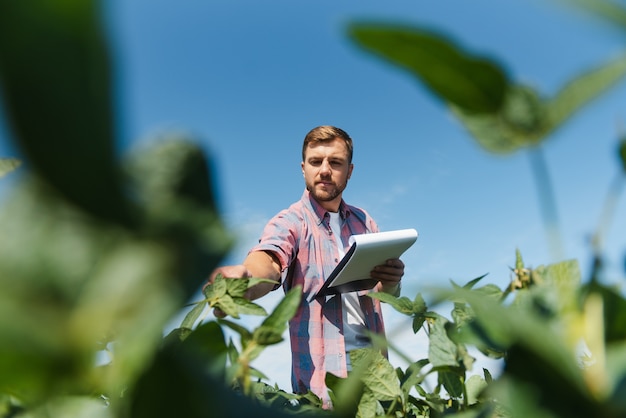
pixel 350 170
pixel 302 167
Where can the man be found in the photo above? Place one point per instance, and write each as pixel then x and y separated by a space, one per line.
pixel 301 246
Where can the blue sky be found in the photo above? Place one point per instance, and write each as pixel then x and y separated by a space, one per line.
pixel 248 79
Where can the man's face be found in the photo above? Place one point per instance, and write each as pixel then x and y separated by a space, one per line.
pixel 326 172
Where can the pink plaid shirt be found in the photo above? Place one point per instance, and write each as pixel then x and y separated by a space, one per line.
pixel 302 239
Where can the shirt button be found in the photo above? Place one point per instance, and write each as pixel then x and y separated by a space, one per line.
pixel 336 260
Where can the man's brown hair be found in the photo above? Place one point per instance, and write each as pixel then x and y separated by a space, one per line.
pixel 327 133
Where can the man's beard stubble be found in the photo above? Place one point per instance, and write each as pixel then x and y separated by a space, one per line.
pixel 327 196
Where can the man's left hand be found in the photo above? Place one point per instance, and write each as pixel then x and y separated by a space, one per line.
pixel 389 273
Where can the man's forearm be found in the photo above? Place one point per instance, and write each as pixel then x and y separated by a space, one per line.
pixel 262 264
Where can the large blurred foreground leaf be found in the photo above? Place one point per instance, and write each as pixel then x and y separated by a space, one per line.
pixel 76 289
pixel 56 86
pixel 474 84
pixel 526 119
pixel 543 367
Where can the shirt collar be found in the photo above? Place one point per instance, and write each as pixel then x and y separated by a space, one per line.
pixel 319 211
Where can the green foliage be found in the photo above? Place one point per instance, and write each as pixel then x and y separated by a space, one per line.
pixel 97 255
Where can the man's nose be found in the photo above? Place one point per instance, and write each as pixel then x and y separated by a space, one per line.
pixel 325 168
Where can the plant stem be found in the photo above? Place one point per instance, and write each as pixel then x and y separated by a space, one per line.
pixel 597 241
pixel 546 202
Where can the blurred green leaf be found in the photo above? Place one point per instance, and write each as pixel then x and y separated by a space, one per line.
pixel 474 84
pixel 504 326
pixel 614 308
pixel 7 165
pixel 616 370
pixel 525 119
pixel 169 182
pixel 581 91
pixel 555 390
pixel 171 169
pixel 174 385
pixel 518 123
pixel 56 83
pixel 611 11
pixel 554 290
pixel 207 342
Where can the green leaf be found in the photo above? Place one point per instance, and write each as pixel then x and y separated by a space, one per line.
pixel 7 165
pixel 228 306
pixel 472 83
pixel 245 307
pixel 452 382
pixel 614 307
pixel 462 314
pixel 368 406
pixel 208 344
pixel 169 183
pixel 217 289
pixel 401 304
pixel 474 387
pixel 417 323
pixel 56 83
pixel 472 283
pixel 265 335
pixel 192 316
pixel 508 326
pixel 285 310
pixel 242 331
pixel 441 350
pixel 237 287
pixel 582 90
pixel 520 122
pixel 379 376
pixel 490 290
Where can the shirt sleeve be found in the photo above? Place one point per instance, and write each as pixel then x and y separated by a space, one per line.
pixel 280 237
